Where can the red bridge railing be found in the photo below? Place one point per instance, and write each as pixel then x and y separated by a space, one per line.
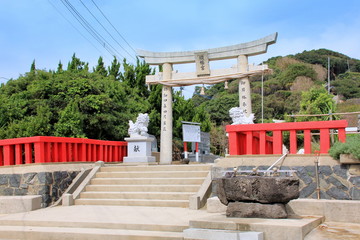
pixel 247 139
pixel 40 149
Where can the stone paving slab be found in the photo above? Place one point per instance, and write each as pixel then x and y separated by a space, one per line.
pixel 109 214
pixel 279 229
pixel 335 231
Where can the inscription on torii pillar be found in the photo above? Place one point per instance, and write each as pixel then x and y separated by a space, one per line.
pixel 203 75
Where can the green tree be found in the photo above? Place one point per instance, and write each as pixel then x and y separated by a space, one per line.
pixel 70 123
pixel 100 68
pixel 33 67
pixel 348 85
pixel 316 101
pixel 114 69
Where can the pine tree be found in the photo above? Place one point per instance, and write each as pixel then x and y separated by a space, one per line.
pixel 114 70
pixel 59 68
pixel 100 68
pixel 33 67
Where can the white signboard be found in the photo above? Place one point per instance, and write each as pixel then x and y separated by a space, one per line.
pixel 191 133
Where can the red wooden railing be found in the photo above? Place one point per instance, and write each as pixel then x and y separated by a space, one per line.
pixel 247 139
pixel 42 149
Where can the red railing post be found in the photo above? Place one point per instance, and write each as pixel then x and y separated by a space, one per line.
pixel 89 155
pixel 293 142
pixel 18 154
pixel 116 154
pixel 233 143
pixel 324 140
pixel 262 144
pixel 1 157
pixel 39 152
pixel 249 143
pixel 277 142
pixel 8 155
pixel 307 141
pixel 48 151
pixel 28 153
pixel 75 152
pixel 341 135
pixel 101 153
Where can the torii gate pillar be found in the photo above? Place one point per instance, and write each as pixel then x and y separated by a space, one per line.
pixel 244 86
pixel 166 118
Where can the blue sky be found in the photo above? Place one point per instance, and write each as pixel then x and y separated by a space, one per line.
pixel 35 30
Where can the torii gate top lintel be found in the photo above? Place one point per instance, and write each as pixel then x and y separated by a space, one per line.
pixel 252 48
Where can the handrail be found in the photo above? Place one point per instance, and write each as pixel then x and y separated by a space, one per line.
pixel 43 149
pixel 247 139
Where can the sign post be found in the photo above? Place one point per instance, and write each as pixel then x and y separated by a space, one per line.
pixel 191 133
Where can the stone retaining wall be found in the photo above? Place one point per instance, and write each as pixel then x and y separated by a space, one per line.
pixel 341 182
pixel 50 185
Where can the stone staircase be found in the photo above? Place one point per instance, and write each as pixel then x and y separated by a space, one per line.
pixel 155 186
pixel 121 202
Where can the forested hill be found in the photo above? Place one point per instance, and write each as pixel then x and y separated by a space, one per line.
pixel 98 103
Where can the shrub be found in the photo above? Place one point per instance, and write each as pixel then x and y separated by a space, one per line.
pixel 351 146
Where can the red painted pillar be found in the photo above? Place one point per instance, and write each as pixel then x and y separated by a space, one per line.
pixel 116 154
pixel 277 142
pixel 89 154
pixel 324 140
pixel 63 152
pixel 83 152
pixel 75 152
pixel 111 158
pixel 293 142
pixel 307 141
pixel 18 154
pixel 8 155
pixel 249 143
pixel 262 144
pixel 28 153
pixel 106 153
pixel 1 157
pixel 233 143
pixel 56 153
pixel 93 150
pixel 101 153
pixel 48 151
pixel 341 135
pixel 39 152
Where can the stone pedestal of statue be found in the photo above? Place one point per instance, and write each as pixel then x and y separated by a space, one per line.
pixel 139 150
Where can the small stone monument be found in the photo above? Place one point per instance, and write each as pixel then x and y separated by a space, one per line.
pixel 139 142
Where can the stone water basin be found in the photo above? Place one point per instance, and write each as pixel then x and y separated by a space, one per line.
pixel 257 196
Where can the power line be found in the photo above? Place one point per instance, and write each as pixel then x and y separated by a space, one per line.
pixel 90 29
pixel 113 27
pixel 74 27
pixel 106 29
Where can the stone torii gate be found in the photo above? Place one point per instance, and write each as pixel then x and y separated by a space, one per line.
pixel 203 75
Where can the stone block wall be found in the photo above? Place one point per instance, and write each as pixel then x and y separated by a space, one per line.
pixel 50 185
pixel 341 182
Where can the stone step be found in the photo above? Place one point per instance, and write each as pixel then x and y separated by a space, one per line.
pixel 96 224
pixel 57 233
pixel 146 181
pixel 153 174
pixel 197 167
pixel 134 202
pixel 137 195
pixel 142 188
